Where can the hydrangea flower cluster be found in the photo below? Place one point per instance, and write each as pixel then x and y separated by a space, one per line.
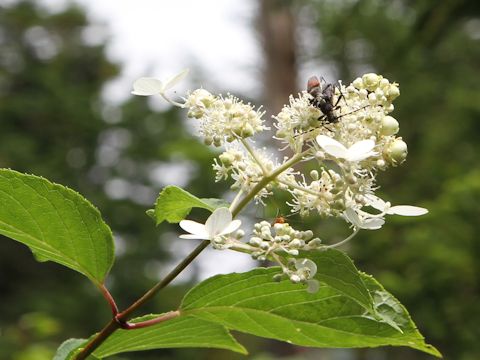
pixel 357 139
pixel 223 119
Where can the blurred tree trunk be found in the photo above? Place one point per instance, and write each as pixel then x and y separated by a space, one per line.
pixel 276 27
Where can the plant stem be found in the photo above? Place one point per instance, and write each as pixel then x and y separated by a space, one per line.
pixel 121 317
pixel 254 155
pixel 109 298
pixel 115 323
pixel 344 241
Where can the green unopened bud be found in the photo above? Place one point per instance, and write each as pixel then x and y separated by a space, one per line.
pixel 314 175
pixel 247 131
pixel 320 155
pixel 281 133
pixel 208 140
pixel 239 234
pixel 255 241
pixel 338 205
pixel 278 277
pixel 393 92
pixel 358 83
pixel 217 140
pixel 389 126
pixel 351 179
pixel 307 235
pixel 226 158
pixel 371 81
pixel 397 151
pixel 315 243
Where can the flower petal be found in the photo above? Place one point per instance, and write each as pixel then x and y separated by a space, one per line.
pixel 194 237
pixel 194 228
pixel 332 146
pixel 372 224
pixel 375 202
pixel 146 86
pixel 352 217
pixel 234 225
pixel 368 223
pixel 306 263
pixel 360 150
pixel 218 221
pixel 175 79
pixel 407 210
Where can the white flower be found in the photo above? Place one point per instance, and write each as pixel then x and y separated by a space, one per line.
pixel 219 223
pixel 357 152
pixel 307 269
pixel 386 208
pixel 363 222
pixel 147 86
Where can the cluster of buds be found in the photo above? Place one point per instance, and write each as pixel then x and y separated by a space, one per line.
pixel 223 119
pixel 284 239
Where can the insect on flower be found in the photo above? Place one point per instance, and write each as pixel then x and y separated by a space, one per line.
pixel 323 99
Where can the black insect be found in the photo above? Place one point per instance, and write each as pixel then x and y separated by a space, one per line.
pixel 323 98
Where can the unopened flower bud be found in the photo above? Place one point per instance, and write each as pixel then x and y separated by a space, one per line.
pixel 247 131
pixel 208 140
pixel 371 81
pixel 307 235
pixel 281 133
pixel 358 83
pixel 338 205
pixel 226 158
pixel 393 92
pixel 239 234
pixel 295 278
pixel 389 126
pixel 351 179
pixel 255 241
pixel 315 243
pixel 264 245
pixel 320 155
pixel 397 151
pixel 277 277
pixel 314 175
pixel 296 244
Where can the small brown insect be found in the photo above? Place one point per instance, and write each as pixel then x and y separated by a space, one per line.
pixel 280 220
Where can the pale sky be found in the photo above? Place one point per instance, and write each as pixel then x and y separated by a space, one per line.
pixel 160 38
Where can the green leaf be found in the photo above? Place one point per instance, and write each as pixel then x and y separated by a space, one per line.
pixel 180 332
pixel 174 204
pixel 56 223
pixel 66 351
pixel 337 270
pixel 253 303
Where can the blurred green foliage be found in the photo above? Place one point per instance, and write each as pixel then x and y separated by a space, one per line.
pixel 432 49
pixel 53 123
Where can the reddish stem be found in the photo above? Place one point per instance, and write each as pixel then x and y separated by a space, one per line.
pixel 141 324
pixel 110 299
